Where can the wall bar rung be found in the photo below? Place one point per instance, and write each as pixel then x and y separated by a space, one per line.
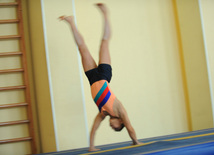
pixel 9 4
pixel 15 140
pixel 12 88
pixel 10 53
pixel 10 37
pixel 12 70
pixel 14 122
pixel 12 105
pixel 9 21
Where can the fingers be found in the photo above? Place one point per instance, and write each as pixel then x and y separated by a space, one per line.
pixel 93 149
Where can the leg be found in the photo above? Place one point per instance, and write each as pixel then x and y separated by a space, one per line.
pixel 104 55
pixel 87 60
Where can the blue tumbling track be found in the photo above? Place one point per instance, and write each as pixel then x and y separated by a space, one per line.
pixel 200 149
pixel 189 143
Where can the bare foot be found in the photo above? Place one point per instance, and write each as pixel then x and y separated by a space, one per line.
pixel 102 7
pixel 67 18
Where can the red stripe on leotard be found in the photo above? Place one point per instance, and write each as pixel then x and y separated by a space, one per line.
pixel 102 96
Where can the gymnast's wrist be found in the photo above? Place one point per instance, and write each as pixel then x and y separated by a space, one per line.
pixel 135 142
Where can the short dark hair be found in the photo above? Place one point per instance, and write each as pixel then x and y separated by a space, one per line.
pixel 120 128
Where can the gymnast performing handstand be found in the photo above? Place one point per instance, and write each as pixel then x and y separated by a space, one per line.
pixel 99 78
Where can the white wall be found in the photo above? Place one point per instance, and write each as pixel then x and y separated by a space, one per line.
pixel 70 125
pixel 207 11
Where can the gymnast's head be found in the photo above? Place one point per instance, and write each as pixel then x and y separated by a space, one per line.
pixel 116 124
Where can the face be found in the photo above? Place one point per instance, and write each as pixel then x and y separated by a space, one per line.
pixel 115 123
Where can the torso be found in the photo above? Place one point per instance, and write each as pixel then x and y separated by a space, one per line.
pixel 116 111
pixel 104 98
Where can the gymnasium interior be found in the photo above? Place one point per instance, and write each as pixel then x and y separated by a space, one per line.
pixel 162 56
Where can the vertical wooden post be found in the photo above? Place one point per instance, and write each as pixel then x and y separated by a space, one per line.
pixel 26 79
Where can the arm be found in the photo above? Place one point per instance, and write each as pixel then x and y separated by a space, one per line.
pixel 99 118
pixel 127 123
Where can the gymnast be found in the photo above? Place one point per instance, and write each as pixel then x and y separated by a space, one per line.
pixel 99 78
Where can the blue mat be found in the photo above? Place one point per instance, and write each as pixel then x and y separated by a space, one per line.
pixel 194 143
pixel 200 149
